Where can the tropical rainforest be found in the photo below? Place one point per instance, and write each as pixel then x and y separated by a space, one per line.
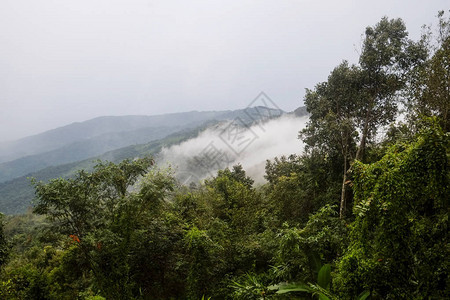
pixel 361 213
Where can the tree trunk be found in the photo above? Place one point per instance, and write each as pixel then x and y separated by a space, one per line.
pixel 362 144
pixel 344 179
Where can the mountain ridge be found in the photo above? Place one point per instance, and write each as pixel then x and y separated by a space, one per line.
pixel 77 131
pixel 16 193
pixel 94 128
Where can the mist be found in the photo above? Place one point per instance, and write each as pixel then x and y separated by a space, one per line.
pixel 218 147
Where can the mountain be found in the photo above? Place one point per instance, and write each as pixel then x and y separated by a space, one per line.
pixel 80 141
pixel 300 111
pixel 104 126
pixel 80 150
pixel 16 193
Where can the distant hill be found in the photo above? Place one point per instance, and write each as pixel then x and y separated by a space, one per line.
pixel 80 141
pixel 16 194
pixel 102 127
pixel 81 150
pixel 301 111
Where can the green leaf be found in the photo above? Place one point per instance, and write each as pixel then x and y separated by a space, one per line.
pixel 314 260
pixel 291 288
pixel 363 295
pixel 323 297
pixel 324 277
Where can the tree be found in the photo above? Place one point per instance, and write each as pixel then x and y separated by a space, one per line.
pixel 398 242
pixel 334 114
pixel 203 263
pixel 383 67
pixel 4 245
pixel 89 200
pixel 110 220
pixel 430 90
pixel 349 108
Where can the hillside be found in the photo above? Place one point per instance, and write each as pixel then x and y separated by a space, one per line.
pixel 112 129
pixel 81 150
pixel 97 136
pixel 16 193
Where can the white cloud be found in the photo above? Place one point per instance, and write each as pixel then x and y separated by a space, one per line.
pixel 274 138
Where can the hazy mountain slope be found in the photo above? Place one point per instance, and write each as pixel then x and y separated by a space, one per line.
pixel 64 136
pixel 81 150
pixel 16 195
pixel 301 111
pixel 98 144
pixel 93 146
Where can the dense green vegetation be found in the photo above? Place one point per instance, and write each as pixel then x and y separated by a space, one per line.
pixel 358 215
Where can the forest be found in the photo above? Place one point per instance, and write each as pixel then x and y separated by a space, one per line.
pixel 361 213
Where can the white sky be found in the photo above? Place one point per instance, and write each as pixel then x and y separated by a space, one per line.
pixel 63 61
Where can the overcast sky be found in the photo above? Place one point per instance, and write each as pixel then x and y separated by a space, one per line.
pixel 63 61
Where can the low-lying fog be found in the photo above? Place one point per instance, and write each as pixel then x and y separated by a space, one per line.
pixel 226 144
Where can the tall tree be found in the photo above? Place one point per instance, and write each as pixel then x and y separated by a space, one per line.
pixel 332 126
pixel 430 89
pixel 349 108
pixel 384 64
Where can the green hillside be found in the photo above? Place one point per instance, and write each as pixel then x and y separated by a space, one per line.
pixel 92 144
pixel 81 150
pixel 16 195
